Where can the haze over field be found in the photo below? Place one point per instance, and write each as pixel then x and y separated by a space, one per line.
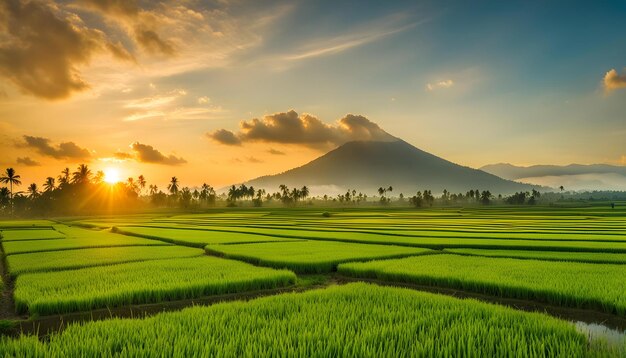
pixel 226 91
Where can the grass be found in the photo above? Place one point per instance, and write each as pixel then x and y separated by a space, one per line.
pixel 30 234
pixel 589 257
pixel 82 258
pixel 310 256
pixel 581 285
pixel 196 238
pixel 356 320
pixel 76 238
pixel 140 282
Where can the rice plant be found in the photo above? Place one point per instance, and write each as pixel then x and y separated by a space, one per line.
pixel 583 285
pixel 355 320
pixel 310 256
pixel 140 282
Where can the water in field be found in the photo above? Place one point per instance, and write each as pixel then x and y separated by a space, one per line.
pixel 601 333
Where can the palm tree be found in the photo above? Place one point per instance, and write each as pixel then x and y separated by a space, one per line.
pixel 99 177
pixel 64 177
pixel 304 192
pixel 153 189
pixel 49 184
pixel 33 191
pixel 173 186
pixel 81 175
pixel 132 185
pixel 12 179
pixel 141 181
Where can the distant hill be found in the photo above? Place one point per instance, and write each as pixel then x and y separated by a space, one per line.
pixel 368 165
pixel 513 172
pixel 573 177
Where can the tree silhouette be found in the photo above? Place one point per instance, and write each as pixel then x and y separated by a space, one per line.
pixel 153 189
pixel 82 175
pixel 33 191
pixel 11 178
pixel 64 177
pixel 99 177
pixel 48 186
pixel 141 181
pixel 173 186
pixel 562 188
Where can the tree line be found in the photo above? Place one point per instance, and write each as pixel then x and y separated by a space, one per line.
pixel 84 192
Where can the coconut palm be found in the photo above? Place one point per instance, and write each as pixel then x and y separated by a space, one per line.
pixel 173 186
pixel 132 185
pixel 64 177
pixel 99 177
pixel 11 178
pixel 48 186
pixel 81 175
pixel 153 189
pixel 33 191
pixel 141 181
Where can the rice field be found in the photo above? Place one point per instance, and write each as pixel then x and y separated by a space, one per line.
pixel 30 234
pixel 581 285
pixel 356 320
pixel 196 237
pixel 310 256
pixel 140 282
pixel 75 259
pixel 589 257
pixel 567 257
pixel 76 238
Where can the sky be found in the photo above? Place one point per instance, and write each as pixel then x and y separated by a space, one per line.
pixel 223 91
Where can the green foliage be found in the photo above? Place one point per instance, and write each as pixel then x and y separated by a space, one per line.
pixel 74 259
pixel 140 282
pixel 596 286
pixel 356 320
pixel 310 256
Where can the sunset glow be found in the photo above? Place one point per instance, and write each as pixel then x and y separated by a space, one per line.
pixel 112 175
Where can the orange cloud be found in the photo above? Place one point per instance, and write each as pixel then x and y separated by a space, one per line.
pixel 291 128
pixel 614 81
pixel 65 150
pixel 43 48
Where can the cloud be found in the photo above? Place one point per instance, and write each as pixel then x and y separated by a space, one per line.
pixel 614 81
pixel 275 152
pixel 65 150
pixel 27 162
pixel 372 32
pixel 122 156
pixel 225 136
pixel 148 154
pixel 204 100
pixel 141 22
pixel 439 85
pixel 43 45
pixel 169 106
pixel 291 128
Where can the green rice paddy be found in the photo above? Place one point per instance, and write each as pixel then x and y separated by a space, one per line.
pixel 567 257
pixel 310 256
pixel 356 320
pixel 140 282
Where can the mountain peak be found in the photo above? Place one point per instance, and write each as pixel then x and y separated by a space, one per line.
pixel 367 165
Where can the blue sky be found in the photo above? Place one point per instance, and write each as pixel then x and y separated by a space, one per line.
pixel 473 82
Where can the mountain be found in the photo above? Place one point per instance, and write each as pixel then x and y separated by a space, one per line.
pixel 368 165
pixel 572 177
pixel 513 172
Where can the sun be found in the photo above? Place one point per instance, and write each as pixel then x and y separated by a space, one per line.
pixel 111 175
